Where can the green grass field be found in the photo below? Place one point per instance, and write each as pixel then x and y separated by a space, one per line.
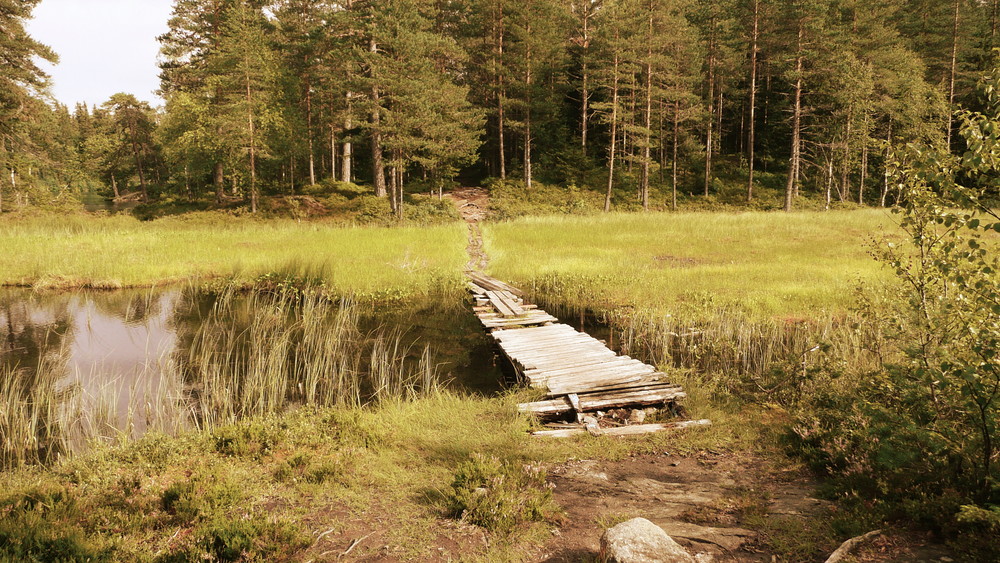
pixel 112 252
pixel 769 264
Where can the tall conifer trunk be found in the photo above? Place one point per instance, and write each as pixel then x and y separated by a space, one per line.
pixel 648 118
pixel 954 68
pixel 378 166
pixel 501 91
pixel 711 108
pixel 309 133
pixel 345 163
pixel 795 161
pixel 754 36
pixel 614 132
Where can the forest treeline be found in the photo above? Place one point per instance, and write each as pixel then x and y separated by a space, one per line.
pixel 638 99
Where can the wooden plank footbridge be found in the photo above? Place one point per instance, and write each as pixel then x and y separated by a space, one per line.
pixel 580 374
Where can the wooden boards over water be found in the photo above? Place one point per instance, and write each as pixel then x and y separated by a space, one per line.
pixel 578 372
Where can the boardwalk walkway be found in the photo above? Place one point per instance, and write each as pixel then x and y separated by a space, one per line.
pixel 579 373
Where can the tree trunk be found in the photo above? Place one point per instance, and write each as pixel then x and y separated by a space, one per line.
pixel 718 118
pixel 253 150
pixel 754 36
pixel 829 180
pixel 864 163
pixel 527 114
pixel 614 133
pixel 138 165
pixel 677 125
pixel 845 170
pixel 378 167
pixel 954 68
pixel 501 94
pixel 309 134
pixel 585 94
pixel 345 162
pixel 711 109
pixel 885 172
pixel 114 186
pixel 794 162
pixel 218 179
pixel 644 188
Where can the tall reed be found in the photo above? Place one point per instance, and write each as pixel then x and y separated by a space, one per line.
pixel 254 353
pixel 262 352
pixel 772 360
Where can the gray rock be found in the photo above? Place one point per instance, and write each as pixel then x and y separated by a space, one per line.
pixel 637 416
pixel 640 541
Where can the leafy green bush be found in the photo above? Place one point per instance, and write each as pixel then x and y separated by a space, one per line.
pixel 511 199
pixel 500 496
pixel 427 210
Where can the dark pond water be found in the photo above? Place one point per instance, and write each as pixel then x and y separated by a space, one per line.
pixel 121 363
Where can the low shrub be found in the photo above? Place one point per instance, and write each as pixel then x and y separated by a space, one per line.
pixel 201 496
pixel 500 496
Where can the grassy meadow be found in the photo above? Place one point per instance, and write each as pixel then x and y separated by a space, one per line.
pixel 60 252
pixel 760 295
pixel 765 264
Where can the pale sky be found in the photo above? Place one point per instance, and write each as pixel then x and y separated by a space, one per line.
pixel 104 47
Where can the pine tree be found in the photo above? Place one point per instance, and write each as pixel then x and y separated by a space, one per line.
pixel 21 82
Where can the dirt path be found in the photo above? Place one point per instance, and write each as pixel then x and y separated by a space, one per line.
pixel 473 203
pixel 732 506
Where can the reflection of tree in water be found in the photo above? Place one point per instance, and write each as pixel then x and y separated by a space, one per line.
pixel 32 331
pixel 132 307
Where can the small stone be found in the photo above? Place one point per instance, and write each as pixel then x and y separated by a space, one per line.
pixel 636 416
pixel 640 541
pixel 594 429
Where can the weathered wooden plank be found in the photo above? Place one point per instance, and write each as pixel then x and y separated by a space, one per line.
pixel 510 301
pixel 476 289
pixel 553 344
pixel 577 359
pixel 642 396
pixel 528 320
pixel 608 365
pixel 530 317
pixel 624 430
pixel 528 334
pixel 499 305
pixel 588 386
pixel 488 282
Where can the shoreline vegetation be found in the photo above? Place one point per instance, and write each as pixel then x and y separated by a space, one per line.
pixel 369 263
pixel 267 485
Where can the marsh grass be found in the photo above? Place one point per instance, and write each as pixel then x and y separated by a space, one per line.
pixel 263 352
pixel 254 354
pixel 59 253
pixel 766 264
pixel 758 360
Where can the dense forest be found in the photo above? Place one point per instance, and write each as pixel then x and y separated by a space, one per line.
pixel 636 99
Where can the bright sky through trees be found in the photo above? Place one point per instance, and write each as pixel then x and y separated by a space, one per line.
pixel 104 46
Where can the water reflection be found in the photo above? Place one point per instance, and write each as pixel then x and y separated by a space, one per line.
pixel 118 364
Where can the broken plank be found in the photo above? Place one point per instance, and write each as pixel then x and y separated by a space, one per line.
pixel 624 430
pixel 604 401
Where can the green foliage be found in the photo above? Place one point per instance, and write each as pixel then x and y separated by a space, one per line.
pixel 37 525
pixel 248 440
pixel 511 199
pixel 500 496
pixel 201 496
pixel 921 431
pixel 256 539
